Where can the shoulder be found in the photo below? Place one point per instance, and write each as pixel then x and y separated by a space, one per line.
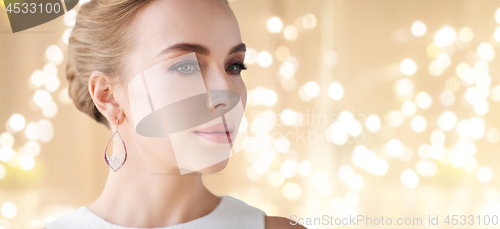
pixel 275 222
pixel 77 219
pixel 239 210
pixel 234 213
pixel 236 206
pixel 239 207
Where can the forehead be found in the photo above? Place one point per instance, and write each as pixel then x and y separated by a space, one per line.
pixel 167 22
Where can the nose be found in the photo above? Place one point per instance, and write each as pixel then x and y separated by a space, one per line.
pixel 222 98
pixel 218 101
pixel 222 101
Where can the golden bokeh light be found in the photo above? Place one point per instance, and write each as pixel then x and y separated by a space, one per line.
pixel 409 178
pixel 291 33
pixel 264 59
pixel 418 29
pixel 445 37
pixel 274 25
pixel 466 35
pixel 339 108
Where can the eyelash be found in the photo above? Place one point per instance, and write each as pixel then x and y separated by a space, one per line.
pixel 239 64
pixel 177 67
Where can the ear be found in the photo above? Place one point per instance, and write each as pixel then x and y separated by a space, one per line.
pixel 102 92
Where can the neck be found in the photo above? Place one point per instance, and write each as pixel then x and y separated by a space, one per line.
pixel 134 199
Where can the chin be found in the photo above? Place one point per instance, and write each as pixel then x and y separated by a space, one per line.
pixel 216 167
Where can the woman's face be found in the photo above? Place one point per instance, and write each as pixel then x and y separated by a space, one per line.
pixel 187 56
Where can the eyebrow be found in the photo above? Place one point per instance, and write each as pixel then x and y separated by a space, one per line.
pixel 190 47
pixel 238 48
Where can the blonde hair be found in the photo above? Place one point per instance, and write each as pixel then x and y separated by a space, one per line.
pixel 98 42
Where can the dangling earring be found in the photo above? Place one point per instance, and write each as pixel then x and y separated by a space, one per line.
pixel 115 162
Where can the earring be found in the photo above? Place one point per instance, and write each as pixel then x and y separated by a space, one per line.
pixel 113 161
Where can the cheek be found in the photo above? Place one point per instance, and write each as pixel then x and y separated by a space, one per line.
pixel 241 88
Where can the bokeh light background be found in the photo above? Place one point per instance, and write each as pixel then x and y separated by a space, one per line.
pixel 380 108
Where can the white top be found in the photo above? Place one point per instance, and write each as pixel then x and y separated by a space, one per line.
pixel 230 213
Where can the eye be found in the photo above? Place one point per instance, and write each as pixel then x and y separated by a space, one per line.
pixel 236 68
pixel 187 67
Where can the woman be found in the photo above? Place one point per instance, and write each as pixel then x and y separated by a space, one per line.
pixel 120 47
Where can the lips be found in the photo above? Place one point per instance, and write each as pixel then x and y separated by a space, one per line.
pixel 218 133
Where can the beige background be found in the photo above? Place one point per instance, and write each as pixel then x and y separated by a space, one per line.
pixel 370 38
